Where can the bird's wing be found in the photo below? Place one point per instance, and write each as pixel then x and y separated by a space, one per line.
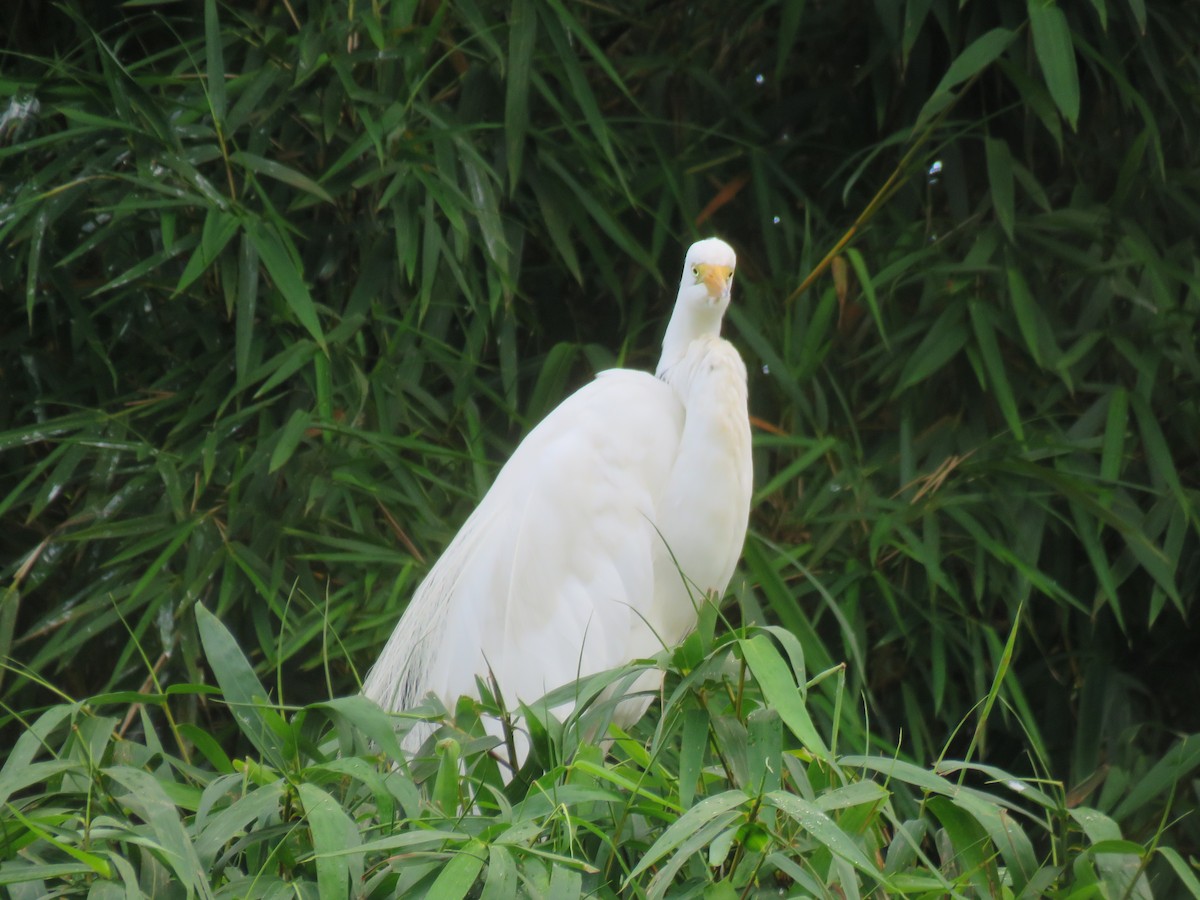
pixel 539 585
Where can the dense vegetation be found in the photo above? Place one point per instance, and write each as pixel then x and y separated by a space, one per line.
pixel 287 281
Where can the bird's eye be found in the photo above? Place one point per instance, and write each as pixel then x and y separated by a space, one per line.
pixel 696 271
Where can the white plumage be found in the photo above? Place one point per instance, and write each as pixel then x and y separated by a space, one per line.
pixel 563 570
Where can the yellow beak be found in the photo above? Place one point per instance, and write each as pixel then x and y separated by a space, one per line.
pixel 715 278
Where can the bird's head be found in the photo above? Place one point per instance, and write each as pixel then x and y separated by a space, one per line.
pixel 708 275
pixel 702 301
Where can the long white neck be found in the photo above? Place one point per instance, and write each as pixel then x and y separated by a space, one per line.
pixel 688 323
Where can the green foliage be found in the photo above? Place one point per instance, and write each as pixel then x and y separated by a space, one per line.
pixel 286 282
pixel 721 798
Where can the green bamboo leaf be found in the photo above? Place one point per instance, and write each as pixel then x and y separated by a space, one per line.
pixel 366 716
pixel 813 819
pixel 868 285
pixel 1115 426
pixel 16 872
pixel 580 90
pixel 1000 179
pixel 1170 773
pixel 903 771
pixel 857 793
pixel 14 779
pixel 459 875
pixel 993 364
pixel 1182 870
pixel 178 537
pixel 791 17
pixel 565 881
pixel 764 748
pixel 600 215
pixel 1139 14
pixel 333 834
pixel 522 38
pixel 142 268
pixel 289 439
pixel 977 56
pixel 781 691
pixel 152 804
pixel 287 276
pixel 691 753
pixel 41 222
pixel 692 842
pixel 1056 55
pixel 1003 665
pixel 98 864
pixel 501 880
pixel 221 829
pixel 557 217
pixel 1005 833
pixel 280 172
pixel 703 813
pixel 215 59
pixel 447 787
pixel 246 301
pixel 1122 874
pixel 243 692
pixel 1087 530
pixel 1031 321
pixel 218 230
pixel 283 366
pixel 941 343
pixel 970 850
pixel 1158 452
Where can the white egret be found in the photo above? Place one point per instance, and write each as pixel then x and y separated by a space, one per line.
pixel 579 557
